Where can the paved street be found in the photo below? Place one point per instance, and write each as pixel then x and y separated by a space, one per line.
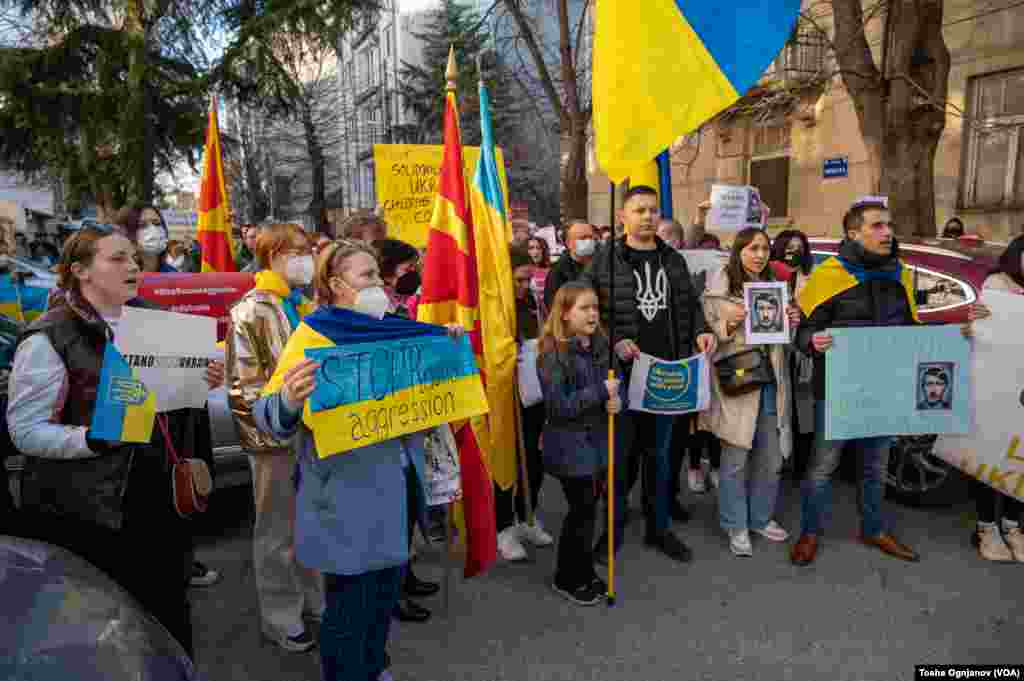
pixel 855 614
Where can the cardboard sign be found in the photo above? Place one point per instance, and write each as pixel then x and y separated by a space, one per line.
pixel 994 451
pixel 896 380
pixel 370 392
pixel 734 208
pixel 210 294
pixel 669 387
pixel 406 176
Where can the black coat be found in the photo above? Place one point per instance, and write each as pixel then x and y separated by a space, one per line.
pixel 564 271
pixel 684 308
pixel 871 303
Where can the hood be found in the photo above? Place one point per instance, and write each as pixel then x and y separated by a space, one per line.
pixel 855 255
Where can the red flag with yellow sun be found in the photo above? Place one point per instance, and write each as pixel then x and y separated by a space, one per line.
pixel 214 231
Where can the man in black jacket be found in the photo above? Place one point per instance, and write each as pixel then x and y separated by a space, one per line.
pixel 657 311
pixel 877 292
pixel 580 245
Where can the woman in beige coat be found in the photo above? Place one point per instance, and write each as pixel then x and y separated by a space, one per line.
pixel 755 427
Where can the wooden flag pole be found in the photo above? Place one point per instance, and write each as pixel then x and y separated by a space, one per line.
pixel 611 417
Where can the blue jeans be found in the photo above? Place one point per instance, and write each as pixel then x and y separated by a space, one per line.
pixel 748 483
pixel 643 441
pixel 816 488
pixel 354 633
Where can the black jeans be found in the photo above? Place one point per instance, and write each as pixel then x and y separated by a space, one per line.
pixel 508 504
pixel 986 499
pixel 575 563
pixel 702 442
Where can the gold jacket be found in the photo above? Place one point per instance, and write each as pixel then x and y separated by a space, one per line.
pixel 259 326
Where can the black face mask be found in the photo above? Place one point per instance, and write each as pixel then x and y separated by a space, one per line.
pixel 793 259
pixel 408 283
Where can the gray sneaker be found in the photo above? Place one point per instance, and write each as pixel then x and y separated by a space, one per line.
pixel 295 644
pixel 739 543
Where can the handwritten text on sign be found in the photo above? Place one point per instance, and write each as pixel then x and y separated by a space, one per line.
pixel 407 176
pixel 371 392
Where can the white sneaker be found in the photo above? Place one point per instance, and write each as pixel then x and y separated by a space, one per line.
pixel 773 532
pixel 1014 541
pixel 509 545
pixel 696 480
pixel 535 534
pixel 991 545
pixel 739 543
pixel 713 477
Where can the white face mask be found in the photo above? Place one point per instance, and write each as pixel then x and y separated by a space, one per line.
pixel 177 263
pixel 152 240
pixel 373 301
pixel 585 247
pixel 299 270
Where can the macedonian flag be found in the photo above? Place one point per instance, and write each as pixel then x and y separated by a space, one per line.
pixel 451 295
pixel 214 226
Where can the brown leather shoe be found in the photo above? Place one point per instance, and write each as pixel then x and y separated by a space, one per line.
pixel 804 550
pixel 886 543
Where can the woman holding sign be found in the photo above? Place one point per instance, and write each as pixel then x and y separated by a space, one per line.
pixel 351 519
pixel 750 401
pixel 103 500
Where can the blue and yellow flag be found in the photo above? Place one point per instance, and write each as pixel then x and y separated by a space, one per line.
pixel 33 301
pixel 662 68
pixel 125 407
pixel 10 299
pixel 836 275
pixel 379 379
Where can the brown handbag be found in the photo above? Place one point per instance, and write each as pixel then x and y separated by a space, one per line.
pixel 188 499
pixel 744 372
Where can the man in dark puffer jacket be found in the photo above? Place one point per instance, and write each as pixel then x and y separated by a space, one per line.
pixel 657 311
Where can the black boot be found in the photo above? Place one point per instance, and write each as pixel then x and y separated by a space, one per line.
pixel 414 586
pixel 410 611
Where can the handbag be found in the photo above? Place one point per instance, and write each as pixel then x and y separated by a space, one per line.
pixel 744 372
pixel 189 497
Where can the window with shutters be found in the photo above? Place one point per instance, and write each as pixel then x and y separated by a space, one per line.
pixel 994 158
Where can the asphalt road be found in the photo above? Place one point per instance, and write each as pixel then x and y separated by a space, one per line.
pixel 855 614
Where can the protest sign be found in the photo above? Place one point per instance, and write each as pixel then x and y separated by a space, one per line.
pixel 169 352
pixel 734 207
pixel 669 387
pixel 767 322
pixel 210 294
pixel 406 177
pixel 370 392
pixel 994 450
pixel 912 380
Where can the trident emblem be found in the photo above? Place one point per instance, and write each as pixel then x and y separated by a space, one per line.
pixel 651 296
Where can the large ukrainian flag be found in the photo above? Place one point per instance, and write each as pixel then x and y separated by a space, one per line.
pixel 664 67
pixel 125 407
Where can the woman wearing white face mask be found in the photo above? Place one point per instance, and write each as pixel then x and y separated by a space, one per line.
pixel 146 227
pixel 261 323
pixel 350 513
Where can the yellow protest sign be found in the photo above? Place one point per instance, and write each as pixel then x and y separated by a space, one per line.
pixel 406 176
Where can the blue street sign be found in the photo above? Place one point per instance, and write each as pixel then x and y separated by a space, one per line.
pixel 836 167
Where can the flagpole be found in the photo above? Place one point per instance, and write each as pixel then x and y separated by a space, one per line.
pixel 450 528
pixel 611 417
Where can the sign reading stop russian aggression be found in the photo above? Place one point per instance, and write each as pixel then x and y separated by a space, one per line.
pixel 406 176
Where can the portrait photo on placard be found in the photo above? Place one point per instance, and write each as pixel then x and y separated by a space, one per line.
pixel 766 321
pixel 935 382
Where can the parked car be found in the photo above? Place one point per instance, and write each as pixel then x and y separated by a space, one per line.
pixel 948 277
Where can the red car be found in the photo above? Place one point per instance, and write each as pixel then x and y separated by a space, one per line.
pixel 948 275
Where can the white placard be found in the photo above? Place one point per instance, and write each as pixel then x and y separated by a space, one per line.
pixel 530 392
pixel 735 207
pixel 994 450
pixel 767 322
pixel 170 351
pixel 659 386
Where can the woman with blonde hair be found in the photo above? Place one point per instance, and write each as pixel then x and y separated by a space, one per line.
pixel 261 323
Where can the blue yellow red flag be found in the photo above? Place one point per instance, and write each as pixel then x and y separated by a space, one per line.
pixel 125 407
pixel 662 68
pixel 491 227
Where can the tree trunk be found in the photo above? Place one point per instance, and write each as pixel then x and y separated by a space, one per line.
pixel 574 188
pixel 318 162
pixel 900 112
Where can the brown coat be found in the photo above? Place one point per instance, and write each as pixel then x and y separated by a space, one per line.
pixel 734 418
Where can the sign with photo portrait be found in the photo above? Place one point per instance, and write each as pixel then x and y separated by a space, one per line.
pixel 767 322
pixel 898 380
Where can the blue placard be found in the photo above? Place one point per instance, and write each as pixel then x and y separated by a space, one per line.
pixel 673 387
pixel 836 167
pixel 913 380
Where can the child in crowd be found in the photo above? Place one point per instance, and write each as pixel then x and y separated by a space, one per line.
pixel 573 371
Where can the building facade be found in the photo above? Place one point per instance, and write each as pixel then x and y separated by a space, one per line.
pixel 811 164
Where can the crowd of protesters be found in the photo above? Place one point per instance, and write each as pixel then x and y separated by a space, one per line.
pixel 333 537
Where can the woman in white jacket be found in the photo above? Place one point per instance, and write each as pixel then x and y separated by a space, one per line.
pixel 755 426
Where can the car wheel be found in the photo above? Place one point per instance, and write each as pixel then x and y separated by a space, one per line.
pixel 917 478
